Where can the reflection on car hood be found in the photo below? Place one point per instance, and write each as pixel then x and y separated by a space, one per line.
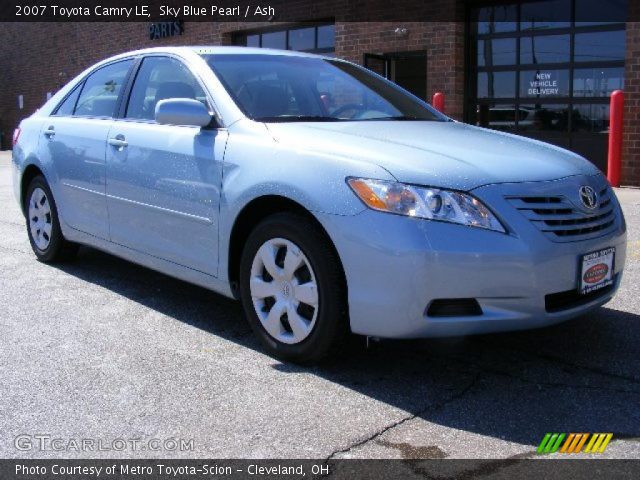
pixel 444 154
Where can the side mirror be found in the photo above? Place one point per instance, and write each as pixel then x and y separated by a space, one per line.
pixel 182 111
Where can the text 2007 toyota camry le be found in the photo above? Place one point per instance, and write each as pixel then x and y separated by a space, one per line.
pixel 326 198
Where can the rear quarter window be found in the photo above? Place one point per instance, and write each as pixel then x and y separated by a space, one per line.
pixel 67 106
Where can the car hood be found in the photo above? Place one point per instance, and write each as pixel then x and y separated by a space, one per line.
pixel 442 154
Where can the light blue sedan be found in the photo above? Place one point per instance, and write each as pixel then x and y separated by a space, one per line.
pixel 325 198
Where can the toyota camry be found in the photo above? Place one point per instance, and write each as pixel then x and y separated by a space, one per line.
pixel 326 199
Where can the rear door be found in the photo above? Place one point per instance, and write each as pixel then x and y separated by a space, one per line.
pixel 163 181
pixel 74 144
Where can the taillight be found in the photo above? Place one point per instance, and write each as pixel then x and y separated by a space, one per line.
pixel 16 136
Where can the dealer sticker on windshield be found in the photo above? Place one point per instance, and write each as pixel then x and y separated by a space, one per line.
pixel 597 270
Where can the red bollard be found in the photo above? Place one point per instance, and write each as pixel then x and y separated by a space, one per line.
pixel 614 162
pixel 438 101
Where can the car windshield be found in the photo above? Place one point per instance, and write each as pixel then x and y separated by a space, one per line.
pixel 281 88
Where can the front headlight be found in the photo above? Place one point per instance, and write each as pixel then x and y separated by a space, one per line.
pixel 424 202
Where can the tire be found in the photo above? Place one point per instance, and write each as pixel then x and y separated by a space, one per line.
pixel 292 322
pixel 43 225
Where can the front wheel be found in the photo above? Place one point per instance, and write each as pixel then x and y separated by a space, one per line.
pixel 293 289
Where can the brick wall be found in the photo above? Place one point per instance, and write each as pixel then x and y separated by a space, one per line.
pixel 631 144
pixel 37 58
pixel 443 43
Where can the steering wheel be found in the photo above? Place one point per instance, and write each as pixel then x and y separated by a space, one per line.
pixel 349 106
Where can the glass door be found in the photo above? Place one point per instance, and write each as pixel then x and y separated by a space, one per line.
pixel 536 69
pixel 379 64
pixel 406 69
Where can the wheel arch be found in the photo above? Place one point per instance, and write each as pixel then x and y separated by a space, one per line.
pixel 250 216
pixel 31 171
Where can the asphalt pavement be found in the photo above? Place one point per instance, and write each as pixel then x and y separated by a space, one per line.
pixel 101 350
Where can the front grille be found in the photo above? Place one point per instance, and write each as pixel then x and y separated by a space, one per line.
pixel 558 218
pixel 557 302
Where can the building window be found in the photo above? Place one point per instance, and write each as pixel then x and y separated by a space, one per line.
pixel 540 69
pixel 313 38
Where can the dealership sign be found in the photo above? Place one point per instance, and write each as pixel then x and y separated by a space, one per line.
pixel 165 29
pixel 543 84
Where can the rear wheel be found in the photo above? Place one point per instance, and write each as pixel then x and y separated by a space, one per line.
pixel 293 290
pixel 43 226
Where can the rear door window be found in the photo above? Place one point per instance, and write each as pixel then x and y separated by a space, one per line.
pixel 99 95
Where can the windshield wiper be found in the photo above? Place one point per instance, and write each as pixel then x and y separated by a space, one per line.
pixel 297 118
pixel 399 118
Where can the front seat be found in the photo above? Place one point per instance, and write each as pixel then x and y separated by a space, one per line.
pixel 269 101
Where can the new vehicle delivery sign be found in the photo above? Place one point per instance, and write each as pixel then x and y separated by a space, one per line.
pixel 543 83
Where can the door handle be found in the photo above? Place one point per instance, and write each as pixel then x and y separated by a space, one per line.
pixel 118 141
pixel 49 132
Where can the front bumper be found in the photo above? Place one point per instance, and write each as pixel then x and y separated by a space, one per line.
pixel 396 266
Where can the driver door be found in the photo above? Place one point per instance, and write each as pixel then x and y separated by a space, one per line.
pixel 163 181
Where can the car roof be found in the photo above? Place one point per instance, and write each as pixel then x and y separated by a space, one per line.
pixel 250 51
pixel 214 50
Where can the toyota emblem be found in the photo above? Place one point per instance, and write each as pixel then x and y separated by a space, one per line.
pixel 588 197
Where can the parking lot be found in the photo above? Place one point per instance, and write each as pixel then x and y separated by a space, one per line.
pixel 102 349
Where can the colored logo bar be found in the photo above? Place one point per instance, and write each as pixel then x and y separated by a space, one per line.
pixel 574 442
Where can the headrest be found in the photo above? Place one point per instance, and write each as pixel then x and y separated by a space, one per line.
pixel 102 106
pixel 174 90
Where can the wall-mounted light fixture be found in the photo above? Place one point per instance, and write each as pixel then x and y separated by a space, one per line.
pixel 61 79
pixel 401 32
